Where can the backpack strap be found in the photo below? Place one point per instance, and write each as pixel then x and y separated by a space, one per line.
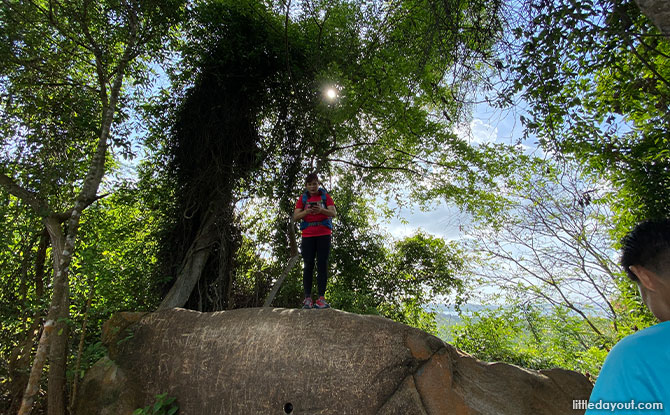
pixel 324 199
pixel 328 222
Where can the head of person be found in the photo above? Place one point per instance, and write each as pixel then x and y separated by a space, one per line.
pixel 646 259
pixel 312 183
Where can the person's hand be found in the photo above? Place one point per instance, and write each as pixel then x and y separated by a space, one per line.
pixel 315 210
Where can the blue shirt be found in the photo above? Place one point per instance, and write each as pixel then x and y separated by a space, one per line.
pixel 636 371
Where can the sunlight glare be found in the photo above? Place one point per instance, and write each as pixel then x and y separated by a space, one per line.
pixel 331 93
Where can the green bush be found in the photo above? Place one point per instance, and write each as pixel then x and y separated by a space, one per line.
pixel 534 338
pixel 164 405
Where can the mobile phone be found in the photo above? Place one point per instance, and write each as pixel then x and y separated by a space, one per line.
pixel 312 204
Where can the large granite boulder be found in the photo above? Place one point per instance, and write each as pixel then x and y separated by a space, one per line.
pixel 278 361
pixel 658 11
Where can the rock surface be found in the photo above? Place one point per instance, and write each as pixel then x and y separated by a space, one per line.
pixel 256 361
pixel 658 11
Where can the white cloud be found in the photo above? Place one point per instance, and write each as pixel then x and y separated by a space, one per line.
pixel 441 221
pixel 477 131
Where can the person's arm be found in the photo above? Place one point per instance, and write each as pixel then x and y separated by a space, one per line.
pixel 299 214
pixel 331 212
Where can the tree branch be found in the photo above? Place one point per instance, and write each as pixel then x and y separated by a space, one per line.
pixel 377 167
pixel 31 198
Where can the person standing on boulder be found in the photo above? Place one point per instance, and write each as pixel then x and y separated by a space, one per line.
pixel 635 377
pixel 315 208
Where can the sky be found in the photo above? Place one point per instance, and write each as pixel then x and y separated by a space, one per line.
pixel 488 125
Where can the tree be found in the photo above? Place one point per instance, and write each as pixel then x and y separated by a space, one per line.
pixel 214 146
pixel 553 252
pixel 553 244
pixel 23 257
pixel 420 269
pixel 400 71
pixel 63 72
pixel 596 76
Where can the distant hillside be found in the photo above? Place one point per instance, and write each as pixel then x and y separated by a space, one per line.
pixel 446 316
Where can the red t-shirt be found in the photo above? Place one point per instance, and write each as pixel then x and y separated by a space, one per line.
pixel 315 230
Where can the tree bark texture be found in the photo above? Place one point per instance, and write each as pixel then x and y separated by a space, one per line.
pixel 54 326
pixel 658 11
pixel 192 265
pixel 58 351
pixel 34 380
pixel 275 289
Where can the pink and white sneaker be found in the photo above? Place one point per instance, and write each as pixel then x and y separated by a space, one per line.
pixel 321 303
pixel 307 303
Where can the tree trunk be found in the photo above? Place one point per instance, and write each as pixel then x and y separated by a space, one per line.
pixel 19 362
pixel 40 260
pixel 110 80
pixel 80 349
pixel 658 11
pixel 34 380
pixel 58 352
pixel 275 289
pixel 19 366
pixel 295 256
pixel 226 271
pixel 192 265
pixel 63 251
pixel 58 244
pixel 58 312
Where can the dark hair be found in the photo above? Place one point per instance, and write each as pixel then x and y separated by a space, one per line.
pixel 312 177
pixel 648 245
